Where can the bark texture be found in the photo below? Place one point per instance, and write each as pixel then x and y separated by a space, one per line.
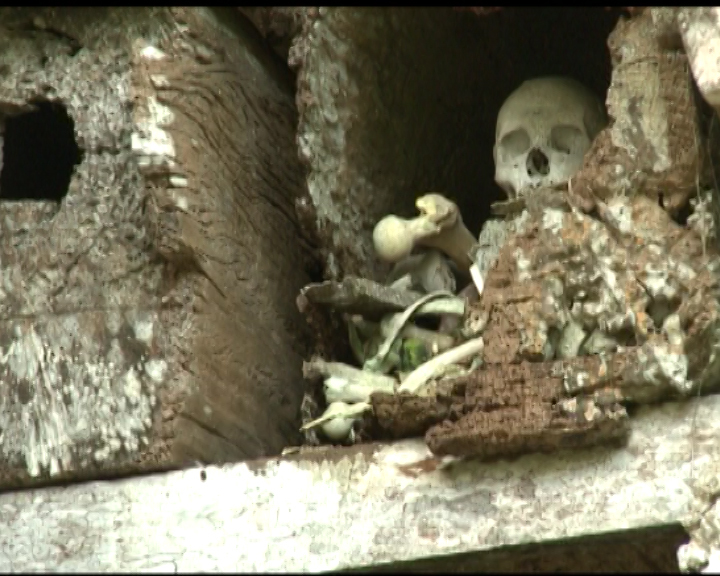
pixel 147 320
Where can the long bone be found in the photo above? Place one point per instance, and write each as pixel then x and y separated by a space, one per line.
pixel 438 226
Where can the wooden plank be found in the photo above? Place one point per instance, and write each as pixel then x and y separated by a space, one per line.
pixel 147 321
pixel 362 506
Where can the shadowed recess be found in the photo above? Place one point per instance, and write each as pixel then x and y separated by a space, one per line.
pixel 443 82
pixel 39 154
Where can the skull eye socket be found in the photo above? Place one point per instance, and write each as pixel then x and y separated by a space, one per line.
pixel 567 139
pixel 513 144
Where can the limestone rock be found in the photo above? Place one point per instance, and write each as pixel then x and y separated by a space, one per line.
pixel 653 144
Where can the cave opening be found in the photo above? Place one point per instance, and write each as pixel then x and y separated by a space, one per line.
pixel 39 154
pixel 439 83
pixel 405 103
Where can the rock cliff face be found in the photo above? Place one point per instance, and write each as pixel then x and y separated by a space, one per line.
pixel 387 114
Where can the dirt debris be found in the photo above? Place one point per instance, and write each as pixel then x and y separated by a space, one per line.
pixel 362 296
pixel 582 313
pixel 632 276
pixel 593 294
pixel 513 409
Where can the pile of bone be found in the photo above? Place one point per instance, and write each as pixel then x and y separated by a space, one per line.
pixel 543 131
pixel 407 349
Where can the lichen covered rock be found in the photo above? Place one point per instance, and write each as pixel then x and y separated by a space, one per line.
pixel 653 144
pixel 630 281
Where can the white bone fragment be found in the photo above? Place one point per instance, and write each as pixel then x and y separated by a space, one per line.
pixel 439 226
pixel 418 377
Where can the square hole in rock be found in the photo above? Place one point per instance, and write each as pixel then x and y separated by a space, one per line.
pixel 39 153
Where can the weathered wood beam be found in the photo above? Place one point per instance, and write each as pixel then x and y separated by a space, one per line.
pixel 362 506
pixel 147 321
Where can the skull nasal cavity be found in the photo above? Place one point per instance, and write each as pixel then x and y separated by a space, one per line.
pixel 537 163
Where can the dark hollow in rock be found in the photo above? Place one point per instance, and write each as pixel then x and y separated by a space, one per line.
pixel 39 153
pixel 394 103
pixel 397 103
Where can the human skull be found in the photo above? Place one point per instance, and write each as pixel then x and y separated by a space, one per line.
pixel 543 131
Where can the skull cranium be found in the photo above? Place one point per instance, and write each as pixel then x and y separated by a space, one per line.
pixel 543 131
